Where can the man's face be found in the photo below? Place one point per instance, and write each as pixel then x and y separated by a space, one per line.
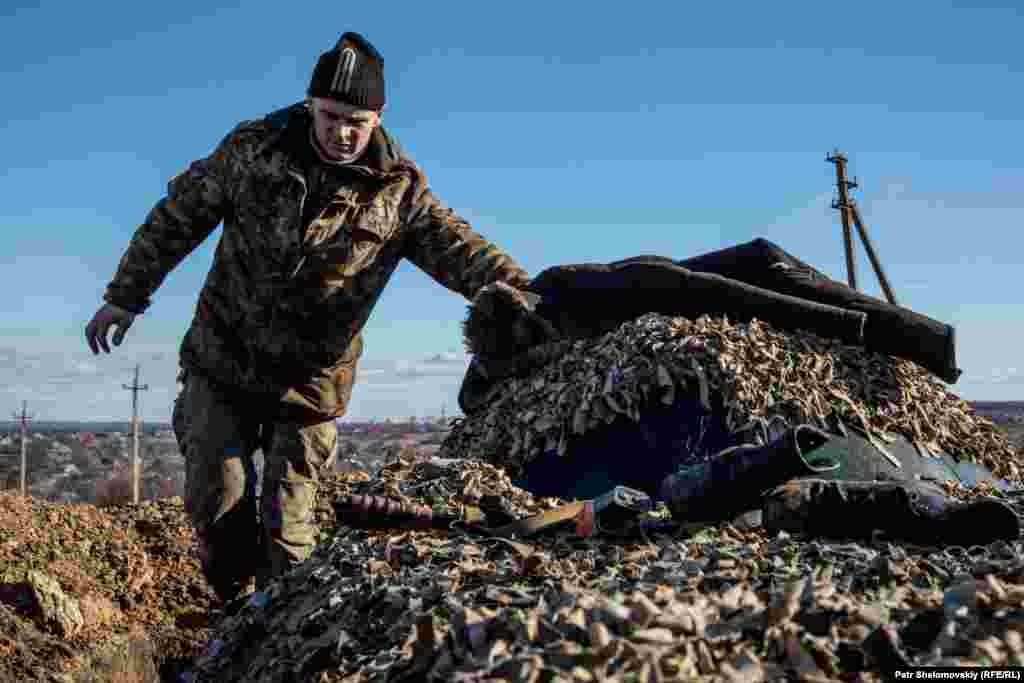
pixel 342 130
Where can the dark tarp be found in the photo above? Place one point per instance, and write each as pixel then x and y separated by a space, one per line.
pixel 590 299
pixel 757 279
pixel 753 280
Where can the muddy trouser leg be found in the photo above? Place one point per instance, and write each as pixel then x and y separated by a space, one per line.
pixel 217 438
pixel 296 458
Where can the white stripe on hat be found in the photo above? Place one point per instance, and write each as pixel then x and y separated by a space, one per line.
pixel 344 70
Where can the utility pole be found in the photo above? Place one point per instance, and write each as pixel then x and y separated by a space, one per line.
pixel 135 389
pixel 24 419
pixel 848 211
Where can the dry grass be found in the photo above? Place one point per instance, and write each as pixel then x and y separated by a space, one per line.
pixel 132 662
pixel 115 489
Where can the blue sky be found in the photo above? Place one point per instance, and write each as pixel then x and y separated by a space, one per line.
pixel 564 135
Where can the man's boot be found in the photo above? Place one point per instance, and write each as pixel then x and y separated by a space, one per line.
pixel 228 552
pixel 219 560
pixel 917 512
pixel 733 480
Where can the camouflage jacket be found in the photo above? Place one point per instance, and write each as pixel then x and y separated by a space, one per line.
pixel 283 307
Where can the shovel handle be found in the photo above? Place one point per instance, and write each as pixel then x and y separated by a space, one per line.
pixel 380 512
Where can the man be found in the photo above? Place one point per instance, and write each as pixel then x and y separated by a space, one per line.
pixel 319 205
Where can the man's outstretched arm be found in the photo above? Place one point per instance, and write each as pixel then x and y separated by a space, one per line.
pixel 195 203
pixel 443 245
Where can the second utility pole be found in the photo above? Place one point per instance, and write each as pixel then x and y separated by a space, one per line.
pixel 135 432
pixel 24 419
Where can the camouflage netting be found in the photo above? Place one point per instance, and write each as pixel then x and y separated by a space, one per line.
pixel 701 603
pixel 746 372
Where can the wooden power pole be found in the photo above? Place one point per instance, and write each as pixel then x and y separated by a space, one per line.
pixel 135 388
pixel 849 212
pixel 24 418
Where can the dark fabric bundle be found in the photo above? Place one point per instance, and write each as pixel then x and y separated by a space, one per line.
pixel 587 300
pixel 890 329
pixel 757 279
pixel 753 280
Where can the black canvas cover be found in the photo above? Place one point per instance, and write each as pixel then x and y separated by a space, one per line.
pixel 756 279
pixel 590 299
pixel 753 280
pixel 890 329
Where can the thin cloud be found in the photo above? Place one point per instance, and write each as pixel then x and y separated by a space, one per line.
pixel 1006 376
pixel 447 364
pixel 401 371
pixel 448 357
pixel 384 387
pixel 86 368
pixel 8 357
pixel 365 374
pixel 77 385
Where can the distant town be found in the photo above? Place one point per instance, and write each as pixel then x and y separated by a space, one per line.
pixel 90 462
pixel 348 426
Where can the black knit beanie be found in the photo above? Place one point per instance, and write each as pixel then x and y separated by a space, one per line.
pixel 353 72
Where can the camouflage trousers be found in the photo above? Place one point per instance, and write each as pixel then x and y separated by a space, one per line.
pixel 238 541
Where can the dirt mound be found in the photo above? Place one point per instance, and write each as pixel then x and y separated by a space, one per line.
pixel 80 583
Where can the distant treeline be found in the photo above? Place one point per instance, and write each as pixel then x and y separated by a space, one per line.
pixel 394 426
pixel 44 427
pixel 1008 406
